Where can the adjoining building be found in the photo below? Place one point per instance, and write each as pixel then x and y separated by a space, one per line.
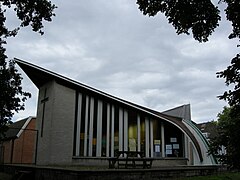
pixel 78 124
pixel 19 144
pixel 209 131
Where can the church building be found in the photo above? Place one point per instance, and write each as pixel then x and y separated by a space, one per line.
pixel 81 125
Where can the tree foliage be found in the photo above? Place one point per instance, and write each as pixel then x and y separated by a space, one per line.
pixel 201 17
pixel 228 136
pixel 30 13
pixel 232 77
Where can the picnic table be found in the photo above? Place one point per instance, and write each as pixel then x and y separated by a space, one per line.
pixel 130 159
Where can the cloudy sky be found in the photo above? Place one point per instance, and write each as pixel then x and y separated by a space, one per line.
pixel 111 46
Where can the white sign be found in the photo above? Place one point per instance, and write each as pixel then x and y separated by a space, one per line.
pixel 169 146
pixel 175 146
pixel 157 148
pixel 173 140
pixel 168 151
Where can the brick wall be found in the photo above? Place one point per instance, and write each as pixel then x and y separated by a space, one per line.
pixel 7 151
pixel 22 149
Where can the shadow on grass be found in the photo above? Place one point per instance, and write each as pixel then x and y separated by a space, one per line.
pixel 223 176
pixel 4 176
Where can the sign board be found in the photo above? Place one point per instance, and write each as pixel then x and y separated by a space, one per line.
pixel 157 148
pixel 175 146
pixel 157 141
pixel 173 140
pixel 168 149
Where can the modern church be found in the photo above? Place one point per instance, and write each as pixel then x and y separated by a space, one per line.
pixel 80 125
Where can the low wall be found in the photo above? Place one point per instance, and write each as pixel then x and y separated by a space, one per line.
pixel 169 162
pixel 73 173
pixel 157 162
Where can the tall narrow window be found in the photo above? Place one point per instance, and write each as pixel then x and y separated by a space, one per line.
pixel 104 130
pixel 132 131
pixel 174 141
pixel 142 132
pixel 116 130
pixel 156 138
pixel 82 134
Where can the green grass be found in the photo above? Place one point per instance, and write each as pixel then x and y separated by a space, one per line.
pixel 224 176
pixel 4 176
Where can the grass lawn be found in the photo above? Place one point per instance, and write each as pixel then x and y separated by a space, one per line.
pixel 224 176
pixel 4 176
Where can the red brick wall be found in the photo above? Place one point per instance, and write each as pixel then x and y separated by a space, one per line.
pixel 7 151
pixel 24 146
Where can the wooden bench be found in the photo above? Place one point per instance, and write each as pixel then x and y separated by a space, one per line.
pixel 130 159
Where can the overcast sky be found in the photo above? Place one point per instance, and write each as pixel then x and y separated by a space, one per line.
pixel 111 46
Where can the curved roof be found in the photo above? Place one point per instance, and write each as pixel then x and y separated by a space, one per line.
pixel 41 76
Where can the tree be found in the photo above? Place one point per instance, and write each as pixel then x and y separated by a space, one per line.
pixel 29 12
pixel 228 136
pixel 201 18
pixel 232 77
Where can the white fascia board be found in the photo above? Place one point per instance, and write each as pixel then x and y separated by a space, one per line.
pixel 24 126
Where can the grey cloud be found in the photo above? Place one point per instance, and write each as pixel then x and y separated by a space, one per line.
pixel 111 46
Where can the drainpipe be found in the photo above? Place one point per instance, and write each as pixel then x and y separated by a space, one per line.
pixel 36 147
pixel 11 160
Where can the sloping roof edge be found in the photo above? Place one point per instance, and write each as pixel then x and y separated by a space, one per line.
pixel 24 65
pixel 24 126
pixel 15 129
